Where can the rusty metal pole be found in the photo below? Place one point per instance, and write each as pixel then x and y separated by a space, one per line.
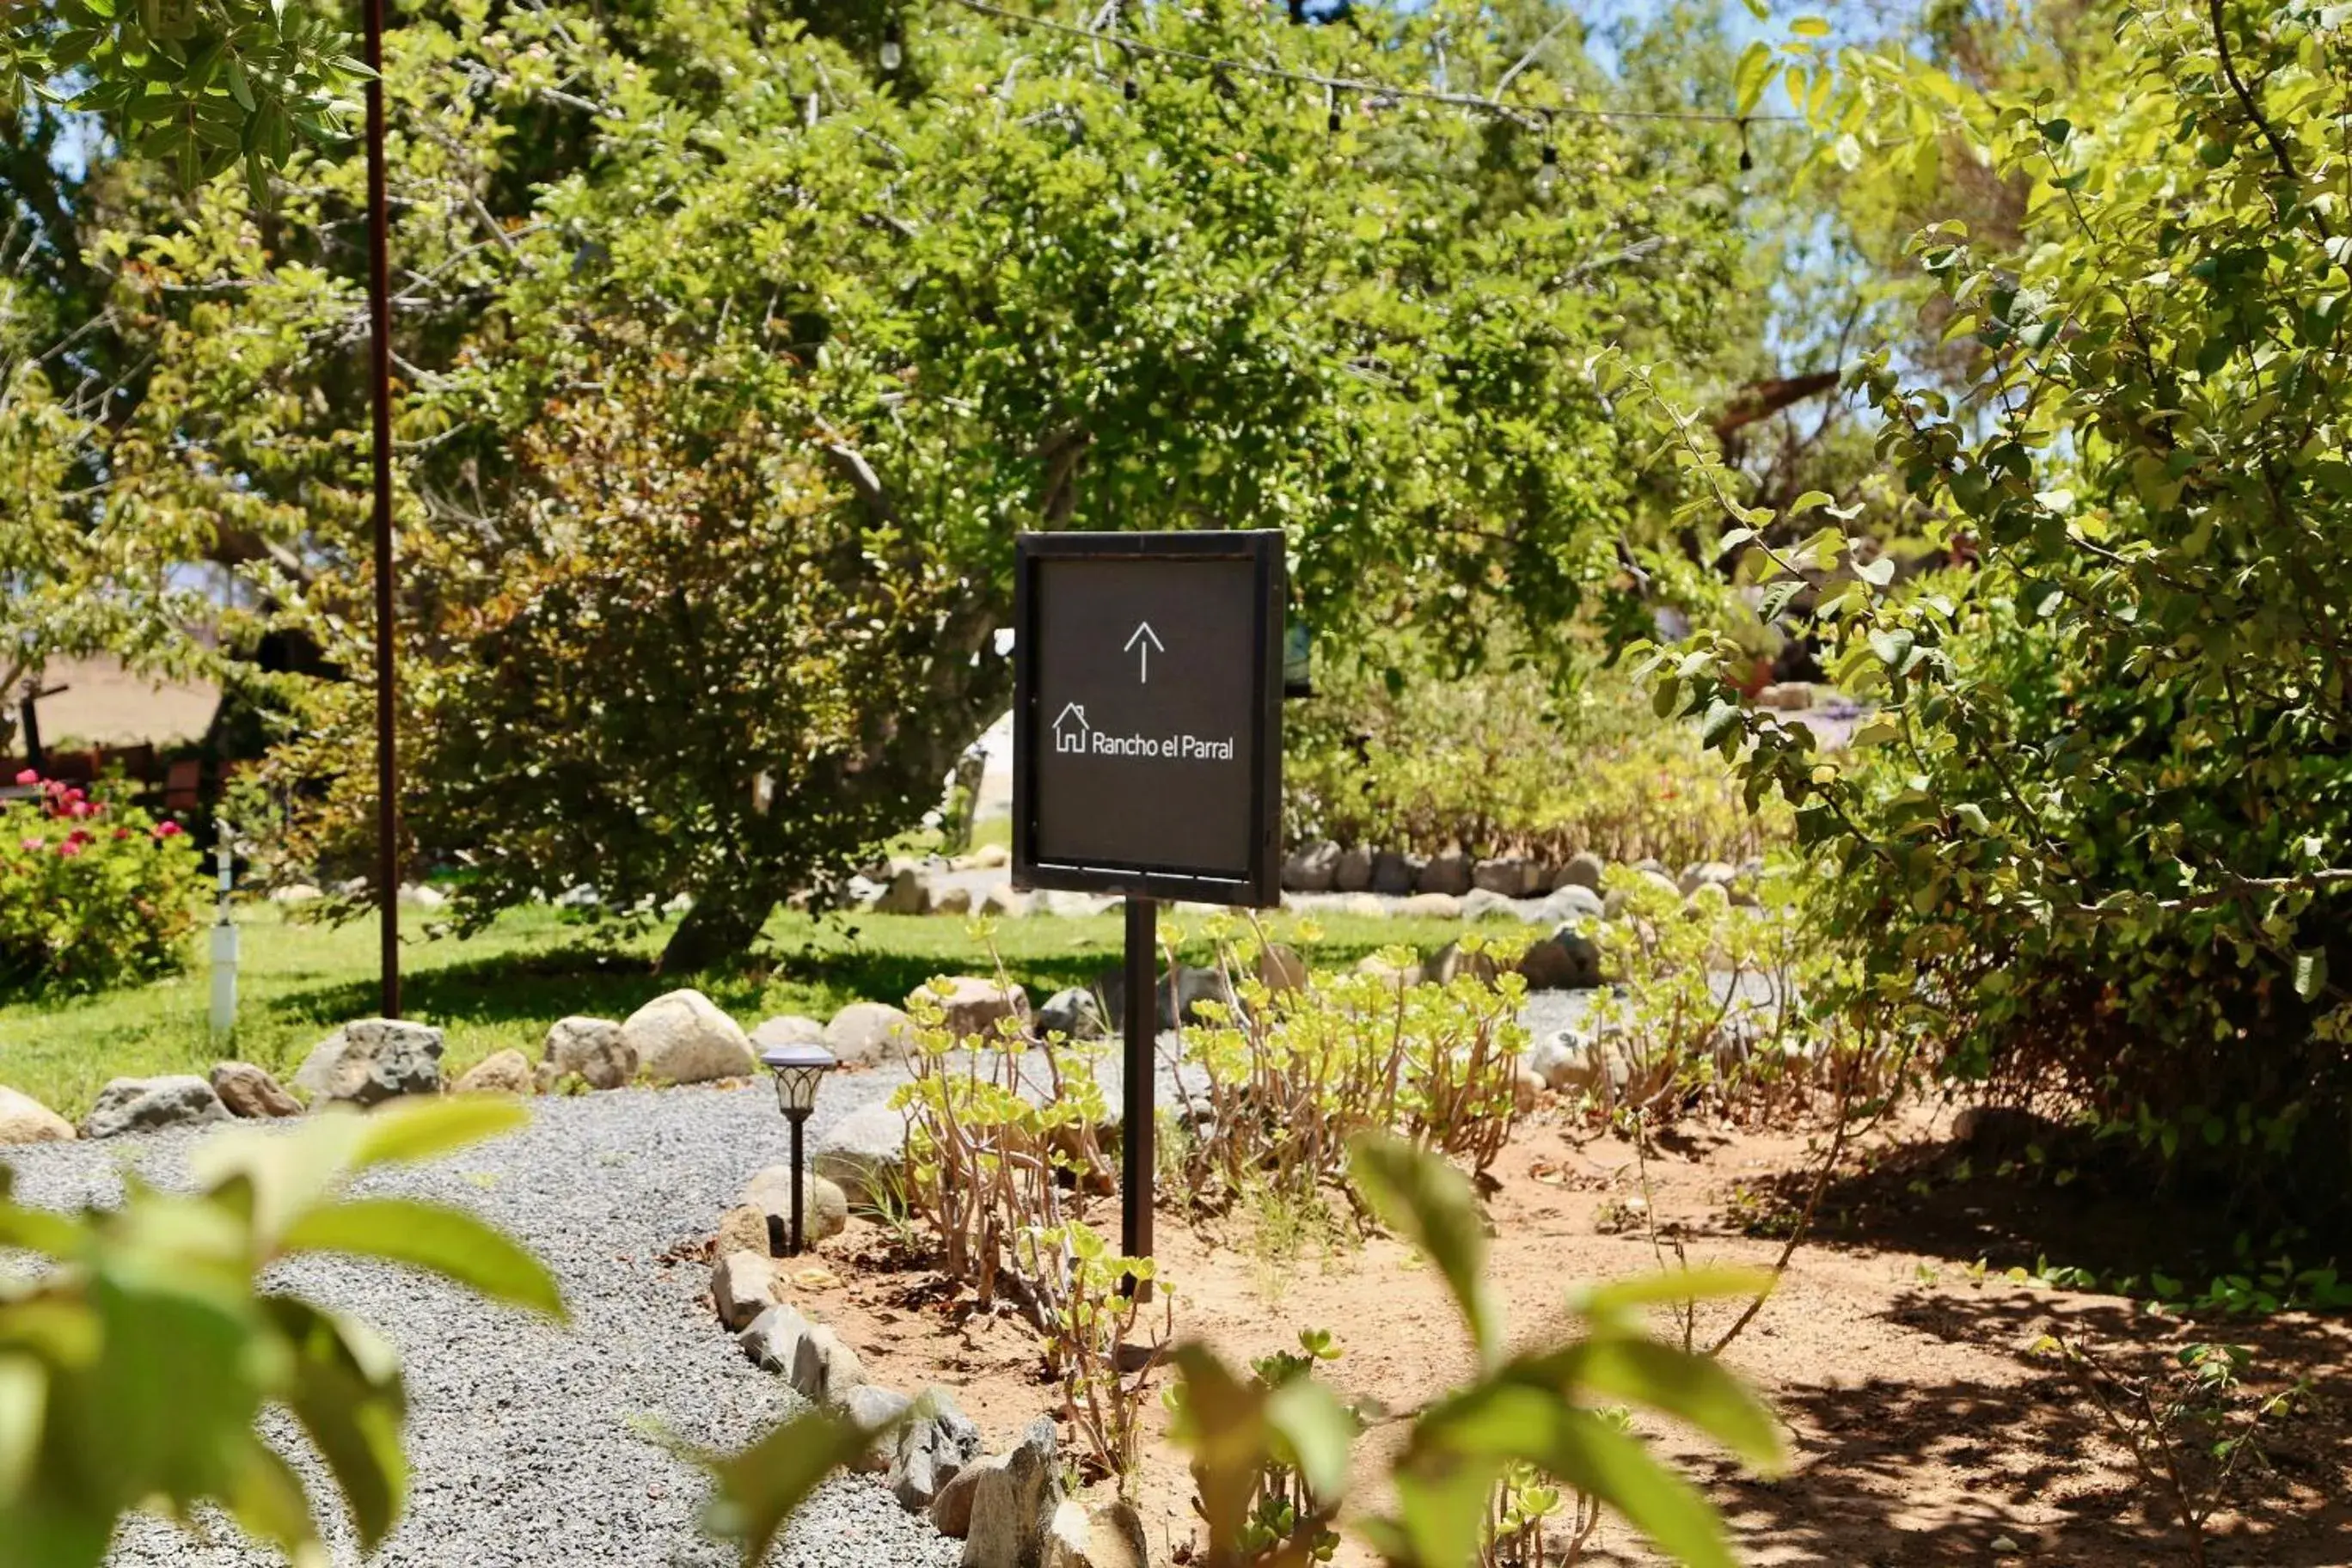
pixel 387 775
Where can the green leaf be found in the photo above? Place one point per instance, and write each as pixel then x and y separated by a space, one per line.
pixel 432 1236
pixel 1878 572
pixel 346 1388
pixel 1591 1454
pixel 416 1127
pixel 1752 75
pixel 2310 973
pixel 1617 1301
pixel 1319 1430
pixel 1430 1204
pixel 1628 1369
pixel 756 1489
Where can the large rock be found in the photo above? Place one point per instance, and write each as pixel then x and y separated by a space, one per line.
pixel 592 1050
pixel 772 1339
pixel 1073 1014
pixel 1280 968
pixel 1452 963
pixel 1446 873
pixel 684 1037
pixel 1567 959
pixel 1512 877
pixel 1485 904
pixel 1394 874
pixel 743 1285
pixel 249 1091
pixel 373 1060
pixel 1311 867
pixel 1574 901
pixel 1707 874
pixel 1012 1505
pixel 951 1508
pixel 1007 902
pixel 500 1072
pixel 824 1207
pixel 876 1409
pixel 1556 1058
pixel 1352 872
pixel 1431 906
pixel 148 1104
pixel 24 1120
pixel 953 900
pixel 1110 1536
pixel 972 1006
pixel 1401 979
pixel 869 1034
pixel 1178 1004
pixel 1584 869
pixel 864 1154
pixel 933 1449
pixel 908 894
pixel 786 1029
pixel 1655 887
pixel 824 1369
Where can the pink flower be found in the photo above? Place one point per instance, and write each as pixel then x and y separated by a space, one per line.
pixel 79 809
pixel 167 830
pixel 28 777
pixel 120 834
pixel 30 843
pixel 69 849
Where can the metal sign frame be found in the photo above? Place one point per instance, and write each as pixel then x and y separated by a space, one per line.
pixel 1259 886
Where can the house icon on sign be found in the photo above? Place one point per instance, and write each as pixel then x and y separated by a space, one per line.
pixel 1070 729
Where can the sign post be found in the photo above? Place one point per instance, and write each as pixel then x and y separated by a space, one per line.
pixel 1147 753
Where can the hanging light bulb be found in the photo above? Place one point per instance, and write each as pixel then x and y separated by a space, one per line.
pixel 1548 172
pixel 894 52
pixel 1746 159
pixel 1332 105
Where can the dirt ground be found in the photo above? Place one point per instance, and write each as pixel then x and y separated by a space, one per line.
pixel 1921 1428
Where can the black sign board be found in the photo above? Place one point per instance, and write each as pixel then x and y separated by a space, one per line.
pixel 1147 731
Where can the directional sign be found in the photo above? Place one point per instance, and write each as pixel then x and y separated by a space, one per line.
pixel 1148 713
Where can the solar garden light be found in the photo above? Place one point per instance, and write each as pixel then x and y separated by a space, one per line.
pixel 799 1069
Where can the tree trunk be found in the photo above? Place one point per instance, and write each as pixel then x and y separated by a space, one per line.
pixel 718 928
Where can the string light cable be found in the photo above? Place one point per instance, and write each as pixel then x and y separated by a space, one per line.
pixel 1222 70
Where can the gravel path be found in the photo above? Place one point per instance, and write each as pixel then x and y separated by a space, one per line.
pixel 533 1446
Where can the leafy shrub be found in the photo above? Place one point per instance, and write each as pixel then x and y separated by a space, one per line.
pixel 1729 1006
pixel 94 892
pixel 1295 1075
pixel 1495 761
pixel 90 1429
pixel 2103 854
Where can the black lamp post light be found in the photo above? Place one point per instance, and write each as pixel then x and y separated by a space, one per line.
pixel 799 1070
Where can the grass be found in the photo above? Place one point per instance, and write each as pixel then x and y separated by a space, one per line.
pixel 298 981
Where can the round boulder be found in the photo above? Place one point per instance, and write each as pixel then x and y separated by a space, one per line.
pixel 24 1120
pixel 1072 1014
pixel 248 1091
pixel 1445 873
pixel 824 1208
pixel 864 1154
pixel 869 1034
pixel 501 1072
pixel 150 1104
pixel 372 1060
pixel 1584 869
pixel 683 1038
pixel 1352 872
pixel 972 1004
pixel 1567 959
pixel 592 1050
pixel 1311 867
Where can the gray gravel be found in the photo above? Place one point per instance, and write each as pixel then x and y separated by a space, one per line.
pixel 532 1446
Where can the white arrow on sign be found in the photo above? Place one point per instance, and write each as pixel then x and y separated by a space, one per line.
pixel 1141 644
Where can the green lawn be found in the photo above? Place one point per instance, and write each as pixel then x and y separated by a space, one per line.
pixel 505 986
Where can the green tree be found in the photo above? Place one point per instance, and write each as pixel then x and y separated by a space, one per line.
pixel 922 312
pixel 2096 835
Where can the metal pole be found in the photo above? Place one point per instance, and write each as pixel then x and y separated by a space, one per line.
pixel 798 1204
pixel 1141 1032
pixel 387 808
pixel 29 719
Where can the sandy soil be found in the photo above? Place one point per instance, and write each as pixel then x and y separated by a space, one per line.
pixel 1921 1430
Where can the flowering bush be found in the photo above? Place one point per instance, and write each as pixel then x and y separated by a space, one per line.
pixel 93 892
